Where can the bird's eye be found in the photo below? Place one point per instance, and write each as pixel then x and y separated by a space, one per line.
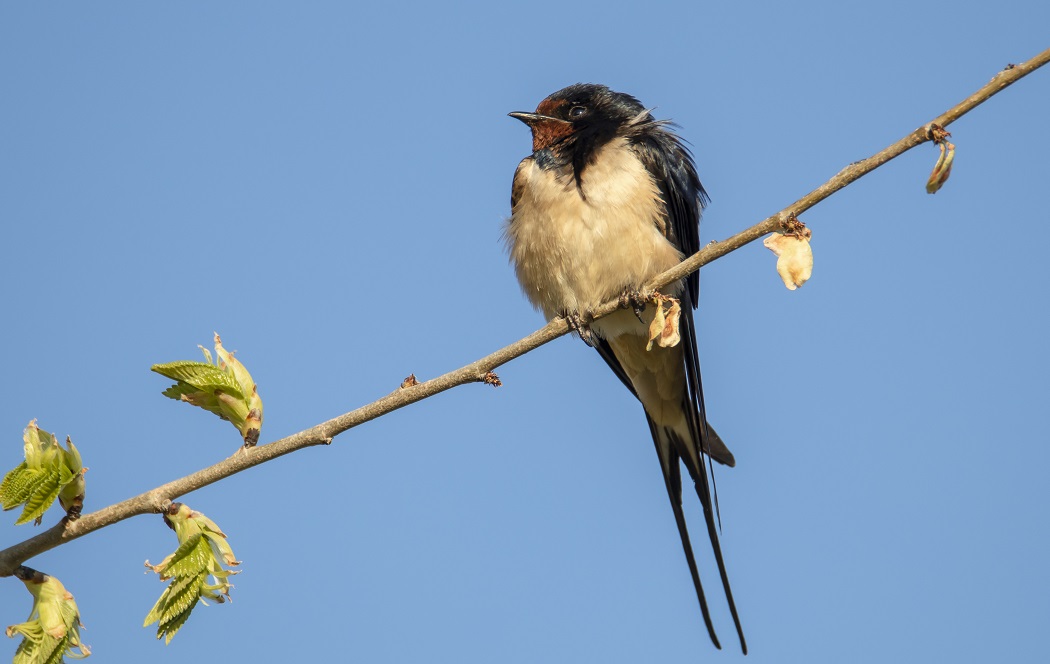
pixel 577 112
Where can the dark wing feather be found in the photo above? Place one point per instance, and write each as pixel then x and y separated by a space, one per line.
pixel 667 452
pixel 701 431
pixel 669 163
pixel 671 166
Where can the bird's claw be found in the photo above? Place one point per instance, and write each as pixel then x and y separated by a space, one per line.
pixel 634 299
pixel 581 325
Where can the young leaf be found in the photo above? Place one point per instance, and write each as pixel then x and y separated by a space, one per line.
pixel 204 377
pixel 225 389
pixel 53 628
pixel 48 472
pixel 201 553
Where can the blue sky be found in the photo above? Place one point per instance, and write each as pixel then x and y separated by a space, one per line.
pixel 325 184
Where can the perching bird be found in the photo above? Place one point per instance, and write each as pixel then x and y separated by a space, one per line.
pixel 608 199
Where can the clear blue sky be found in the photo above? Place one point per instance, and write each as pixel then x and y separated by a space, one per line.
pixel 325 183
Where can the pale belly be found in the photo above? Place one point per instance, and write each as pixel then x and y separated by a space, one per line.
pixel 572 252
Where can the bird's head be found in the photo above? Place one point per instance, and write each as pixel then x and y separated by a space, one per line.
pixel 581 117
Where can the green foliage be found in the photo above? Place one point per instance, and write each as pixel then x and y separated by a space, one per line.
pixel 48 472
pixel 53 628
pixel 202 552
pixel 224 388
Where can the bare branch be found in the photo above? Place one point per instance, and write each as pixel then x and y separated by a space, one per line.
pixel 480 371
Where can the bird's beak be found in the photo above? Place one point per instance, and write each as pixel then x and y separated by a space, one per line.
pixel 533 119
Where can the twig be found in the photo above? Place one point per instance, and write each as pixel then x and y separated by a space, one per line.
pixel 479 371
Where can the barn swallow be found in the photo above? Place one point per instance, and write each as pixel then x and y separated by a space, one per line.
pixel 608 199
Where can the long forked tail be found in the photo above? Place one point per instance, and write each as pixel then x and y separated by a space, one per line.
pixel 672 450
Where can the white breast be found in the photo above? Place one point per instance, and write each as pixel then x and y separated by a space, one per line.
pixel 573 252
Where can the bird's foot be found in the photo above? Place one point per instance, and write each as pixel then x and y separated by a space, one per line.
pixel 581 325
pixel 634 299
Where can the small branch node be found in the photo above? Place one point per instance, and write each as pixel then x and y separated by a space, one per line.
pixel 794 227
pixel 787 221
pixel 936 133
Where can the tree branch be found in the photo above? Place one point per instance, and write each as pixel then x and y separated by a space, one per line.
pixel 154 501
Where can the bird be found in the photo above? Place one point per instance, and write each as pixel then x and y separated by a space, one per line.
pixel 608 199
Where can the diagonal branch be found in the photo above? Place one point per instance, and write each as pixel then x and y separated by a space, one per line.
pixel 155 500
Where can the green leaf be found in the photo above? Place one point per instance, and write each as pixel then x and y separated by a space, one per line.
pixel 44 493
pixel 189 567
pixel 27 485
pixel 182 596
pixel 53 628
pixel 46 650
pixel 205 377
pixel 175 605
pixel 192 557
pixel 48 471
pixel 173 624
pixel 179 390
pixel 14 489
pixel 188 393
pixel 225 389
